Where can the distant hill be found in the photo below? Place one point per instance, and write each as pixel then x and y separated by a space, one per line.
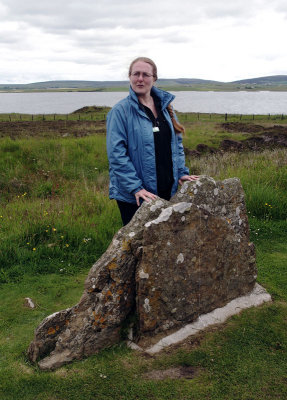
pixel 265 80
pixel 276 82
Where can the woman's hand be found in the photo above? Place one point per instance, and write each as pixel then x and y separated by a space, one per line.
pixel 145 195
pixel 185 178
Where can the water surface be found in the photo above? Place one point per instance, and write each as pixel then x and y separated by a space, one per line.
pixel 203 102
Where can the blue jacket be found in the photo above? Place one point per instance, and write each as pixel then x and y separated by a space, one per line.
pixel 130 148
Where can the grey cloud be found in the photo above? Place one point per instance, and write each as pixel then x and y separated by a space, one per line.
pixel 75 14
pixel 64 17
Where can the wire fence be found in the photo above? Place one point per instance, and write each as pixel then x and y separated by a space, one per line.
pixel 52 117
pixel 101 116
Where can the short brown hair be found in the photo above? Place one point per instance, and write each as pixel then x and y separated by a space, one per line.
pixel 146 60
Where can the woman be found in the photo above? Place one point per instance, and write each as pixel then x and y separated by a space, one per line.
pixel 145 152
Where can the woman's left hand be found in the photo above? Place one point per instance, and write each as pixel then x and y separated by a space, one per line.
pixel 185 178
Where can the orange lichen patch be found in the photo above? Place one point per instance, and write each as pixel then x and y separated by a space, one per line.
pixel 113 265
pixel 67 322
pixel 222 186
pixel 191 194
pixel 102 320
pixel 120 292
pixel 151 323
pixel 96 316
pixel 51 331
pixel 126 245
pixel 228 220
pixel 109 294
pixel 57 327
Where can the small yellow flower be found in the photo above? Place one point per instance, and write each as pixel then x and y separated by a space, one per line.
pixel 46 230
pixel 28 243
pixel 67 245
pixel 54 229
pixel 62 237
pixel 34 248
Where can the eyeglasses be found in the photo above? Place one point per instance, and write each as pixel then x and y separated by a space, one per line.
pixel 145 75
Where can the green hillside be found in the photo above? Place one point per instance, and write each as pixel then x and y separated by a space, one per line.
pixel 276 82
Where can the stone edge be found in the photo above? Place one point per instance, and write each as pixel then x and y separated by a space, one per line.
pixel 255 298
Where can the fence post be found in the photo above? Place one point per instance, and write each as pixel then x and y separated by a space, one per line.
pixel 226 117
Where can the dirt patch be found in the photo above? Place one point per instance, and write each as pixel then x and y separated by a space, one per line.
pixel 50 129
pixel 182 372
pixel 253 128
pixel 270 137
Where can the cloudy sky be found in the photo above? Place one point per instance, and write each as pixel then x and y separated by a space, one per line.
pixel 221 40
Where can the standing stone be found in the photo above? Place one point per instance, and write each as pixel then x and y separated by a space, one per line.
pixel 174 261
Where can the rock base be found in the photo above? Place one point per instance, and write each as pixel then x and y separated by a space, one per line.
pixel 255 298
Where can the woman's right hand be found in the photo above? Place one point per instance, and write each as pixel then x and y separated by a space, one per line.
pixel 145 195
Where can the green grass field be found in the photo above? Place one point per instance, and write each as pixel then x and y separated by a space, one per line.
pixel 56 220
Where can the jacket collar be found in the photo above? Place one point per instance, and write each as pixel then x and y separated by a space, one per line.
pixel 165 97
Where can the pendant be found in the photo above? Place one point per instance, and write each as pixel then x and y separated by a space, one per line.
pixel 155 129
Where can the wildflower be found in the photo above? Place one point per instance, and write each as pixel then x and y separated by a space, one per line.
pixel 34 248
pixel 62 237
pixel 54 229
pixel 46 230
pixel 28 243
pixel 67 245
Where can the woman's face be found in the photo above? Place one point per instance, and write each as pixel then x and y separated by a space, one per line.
pixel 142 78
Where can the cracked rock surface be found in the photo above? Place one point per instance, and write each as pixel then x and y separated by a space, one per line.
pixel 174 261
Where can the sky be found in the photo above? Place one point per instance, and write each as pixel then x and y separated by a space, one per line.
pixel 223 40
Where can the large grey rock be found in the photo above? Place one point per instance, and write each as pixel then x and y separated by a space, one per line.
pixel 174 261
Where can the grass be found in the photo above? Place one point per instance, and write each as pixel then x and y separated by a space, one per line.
pixel 56 220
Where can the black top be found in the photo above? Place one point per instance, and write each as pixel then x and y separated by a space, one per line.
pixel 162 143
